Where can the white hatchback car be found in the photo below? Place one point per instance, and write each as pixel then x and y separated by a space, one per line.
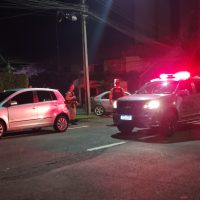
pixel 31 108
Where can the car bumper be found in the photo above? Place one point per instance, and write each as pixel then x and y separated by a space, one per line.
pixel 142 120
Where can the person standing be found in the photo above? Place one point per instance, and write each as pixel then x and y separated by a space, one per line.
pixel 71 103
pixel 116 92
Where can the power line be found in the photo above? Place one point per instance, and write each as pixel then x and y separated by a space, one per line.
pixel 126 31
pixel 118 11
pixel 39 4
pixel 17 16
pixel 59 5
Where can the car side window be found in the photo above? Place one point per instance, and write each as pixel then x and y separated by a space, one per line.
pixel 105 96
pixel 53 96
pixel 197 85
pixel 23 98
pixel 185 85
pixel 45 96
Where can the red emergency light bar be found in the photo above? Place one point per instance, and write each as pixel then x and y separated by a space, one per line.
pixel 182 75
pixel 165 76
pixel 179 75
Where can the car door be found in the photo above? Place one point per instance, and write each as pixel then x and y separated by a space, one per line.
pixel 24 113
pixel 196 98
pixel 47 107
pixel 105 102
pixel 186 101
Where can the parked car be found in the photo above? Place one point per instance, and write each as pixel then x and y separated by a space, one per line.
pixel 32 108
pixel 101 104
pixel 161 104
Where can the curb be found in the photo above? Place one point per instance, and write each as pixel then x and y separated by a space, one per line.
pixel 84 116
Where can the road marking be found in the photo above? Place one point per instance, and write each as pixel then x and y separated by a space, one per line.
pixel 79 127
pixel 147 137
pixel 105 146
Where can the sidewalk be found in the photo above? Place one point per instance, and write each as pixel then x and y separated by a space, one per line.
pixel 81 111
pixel 81 114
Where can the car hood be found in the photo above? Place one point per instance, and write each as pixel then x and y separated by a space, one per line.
pixel 143 97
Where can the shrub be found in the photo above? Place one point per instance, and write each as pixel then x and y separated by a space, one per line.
pixel 10 80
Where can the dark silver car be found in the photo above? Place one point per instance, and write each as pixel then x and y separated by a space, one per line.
pixel 101 103
pixel 31 108
pixel 161 104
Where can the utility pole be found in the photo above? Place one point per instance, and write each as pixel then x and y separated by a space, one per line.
pixel 85 60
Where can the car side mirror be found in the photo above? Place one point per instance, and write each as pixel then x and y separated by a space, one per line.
pixel 10 103
pixel 13 103
pixel 183 92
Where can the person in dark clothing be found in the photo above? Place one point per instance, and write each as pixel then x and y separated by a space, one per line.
pixel 71 104
pixel 116 92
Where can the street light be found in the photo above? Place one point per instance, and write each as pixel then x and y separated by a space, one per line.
pixel 71 17
pixel 67 15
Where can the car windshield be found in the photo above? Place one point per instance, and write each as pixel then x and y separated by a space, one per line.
pixel 4 95
pixel 158 87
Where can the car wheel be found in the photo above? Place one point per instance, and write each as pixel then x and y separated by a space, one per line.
pixel 99 110
pixel 169 123
pixel 2 128
pixel 61 123
pixel 125 128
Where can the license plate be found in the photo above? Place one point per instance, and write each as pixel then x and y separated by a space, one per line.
pixel 126 117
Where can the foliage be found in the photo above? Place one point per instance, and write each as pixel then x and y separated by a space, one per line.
pixel 10 80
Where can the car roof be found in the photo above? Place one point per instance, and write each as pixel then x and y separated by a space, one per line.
pixel 164 80
pixel 106 92
pixel 196 77
pixel 174 79
pixel 21 90
pixel 30 89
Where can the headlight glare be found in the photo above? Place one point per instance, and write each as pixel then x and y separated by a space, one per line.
pixel 115 104
pixel 154 104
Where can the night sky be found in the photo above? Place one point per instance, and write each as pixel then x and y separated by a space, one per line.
pixel 35 36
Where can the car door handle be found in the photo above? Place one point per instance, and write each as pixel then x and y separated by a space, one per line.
pixel 34 107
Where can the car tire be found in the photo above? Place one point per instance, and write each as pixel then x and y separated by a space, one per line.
pixel 125 128
pixel 169 123
pixel 99 110
pixel 61 123
pixel 2 128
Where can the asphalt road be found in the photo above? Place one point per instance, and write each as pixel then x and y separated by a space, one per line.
pixel 92 160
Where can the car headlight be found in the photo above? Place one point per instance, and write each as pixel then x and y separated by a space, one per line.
pixel 115 104
pixel 154 104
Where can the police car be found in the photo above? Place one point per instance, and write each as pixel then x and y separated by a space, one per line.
pixel 161 103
